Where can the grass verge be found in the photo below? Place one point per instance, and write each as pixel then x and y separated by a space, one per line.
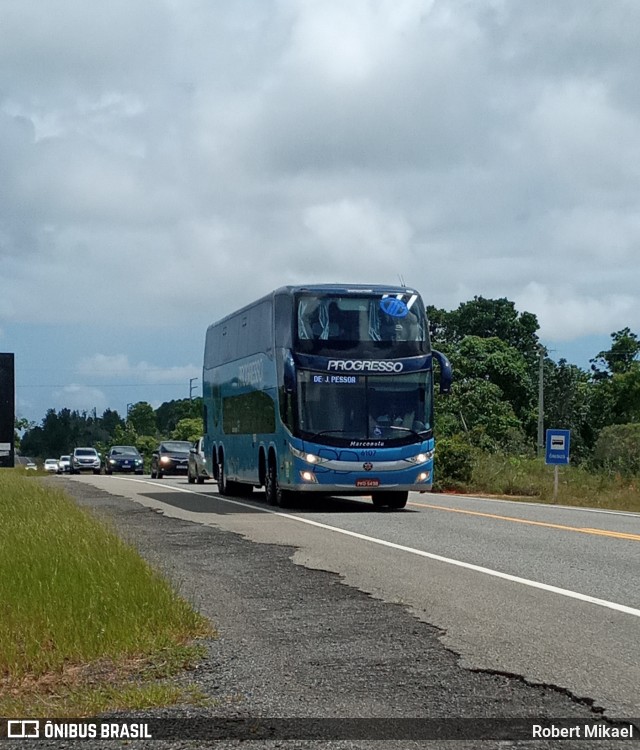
pixel 531 479
pixel 86 625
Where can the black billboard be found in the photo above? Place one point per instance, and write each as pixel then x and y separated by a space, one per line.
pixel 7 408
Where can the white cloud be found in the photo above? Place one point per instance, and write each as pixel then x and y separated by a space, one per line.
pixel 563 315
pixel 81 398
pixel 169 161
pixel 119 367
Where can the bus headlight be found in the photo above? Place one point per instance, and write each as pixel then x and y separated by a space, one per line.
pixel 308 476
pixel 423 477
pixel 421 458
pixel 310 458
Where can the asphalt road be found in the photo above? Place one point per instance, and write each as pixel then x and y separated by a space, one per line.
pixel 528 609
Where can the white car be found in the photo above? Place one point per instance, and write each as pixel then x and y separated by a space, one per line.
pixel 64 464
pixel 51 464
pixel 31 466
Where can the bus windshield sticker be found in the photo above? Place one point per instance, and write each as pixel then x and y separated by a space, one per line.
pixel 396 308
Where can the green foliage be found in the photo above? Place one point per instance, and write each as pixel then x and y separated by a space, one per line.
pixel 478 407
pixel 618 449
pixel 171 412
pixel 188 429
pixel 454 462
pixel 486 318
pixel 143 418
pixel 624 351
pixel 568 397
pixel 72 591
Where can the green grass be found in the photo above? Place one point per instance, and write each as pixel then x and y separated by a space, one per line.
pixel 74 594
pixel 531 479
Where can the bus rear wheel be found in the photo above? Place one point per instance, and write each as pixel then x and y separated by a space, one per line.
pixel 275 494
pixel 223 484
pixel 395 500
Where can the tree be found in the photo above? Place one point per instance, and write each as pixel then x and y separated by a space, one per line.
pixel 170 413
pixel 20 425
pixel 110 420
pixel 620 358
pixel 618 449
pixel 478 409
pixel 568 393
pixel 143 418
pixel 486 318
pixel 188 429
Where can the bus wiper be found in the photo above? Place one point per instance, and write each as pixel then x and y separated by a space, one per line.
pixel 419 435
pixel 324 432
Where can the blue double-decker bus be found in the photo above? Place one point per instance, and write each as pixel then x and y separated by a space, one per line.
pixel 323 389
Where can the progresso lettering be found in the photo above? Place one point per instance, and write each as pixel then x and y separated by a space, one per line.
pixel 365 365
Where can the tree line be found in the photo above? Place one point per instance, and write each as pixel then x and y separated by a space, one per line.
pixel 496 356
pixel 61 431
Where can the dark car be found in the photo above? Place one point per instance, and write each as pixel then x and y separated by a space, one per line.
pixel 123 458
pixel 170 457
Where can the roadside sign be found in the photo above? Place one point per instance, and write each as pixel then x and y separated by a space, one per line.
pixel 558 442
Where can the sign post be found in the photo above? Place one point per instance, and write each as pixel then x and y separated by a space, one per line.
pixel 557 453
pixel 7 409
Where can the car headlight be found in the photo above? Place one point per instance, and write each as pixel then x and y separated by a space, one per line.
pixel 138 461
pixel 112 460
pixel 165 460
pixel 310 458
pixel 421 458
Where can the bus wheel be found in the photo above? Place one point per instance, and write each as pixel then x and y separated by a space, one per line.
pixel 396 500
pixel 271 486
pixel 223 488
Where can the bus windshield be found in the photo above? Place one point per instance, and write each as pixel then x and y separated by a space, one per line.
pixel 369 323
pixel 343 408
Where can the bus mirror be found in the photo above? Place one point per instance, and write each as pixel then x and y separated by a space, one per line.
pixel 446 374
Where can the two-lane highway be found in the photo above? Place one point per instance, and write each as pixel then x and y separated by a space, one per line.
pixel 544 592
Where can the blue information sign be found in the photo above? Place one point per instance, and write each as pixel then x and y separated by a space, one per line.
pixel 558 442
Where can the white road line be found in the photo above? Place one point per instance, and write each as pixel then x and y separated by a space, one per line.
pixel 421 553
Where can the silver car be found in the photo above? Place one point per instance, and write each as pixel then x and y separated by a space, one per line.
pixel 85 459
pixel 197 469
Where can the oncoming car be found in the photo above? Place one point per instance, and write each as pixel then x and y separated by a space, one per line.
pixel 51 465
pixel 123 458
pixel 170 457
pixel 64 464
pixel 85 459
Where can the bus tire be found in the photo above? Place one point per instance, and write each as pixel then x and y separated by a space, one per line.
pixel 223 486
pixel 395 500
pixel 271 487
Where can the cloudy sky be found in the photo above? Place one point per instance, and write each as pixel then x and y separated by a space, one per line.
pixel 165 161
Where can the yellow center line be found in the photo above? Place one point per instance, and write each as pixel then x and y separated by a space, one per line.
pixel 598 532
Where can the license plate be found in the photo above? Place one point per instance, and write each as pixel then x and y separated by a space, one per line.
pixel 368 482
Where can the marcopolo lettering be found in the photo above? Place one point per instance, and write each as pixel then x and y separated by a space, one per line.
pixel 365 365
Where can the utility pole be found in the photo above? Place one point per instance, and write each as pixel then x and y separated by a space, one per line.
pixel 192 388
pixel 540 401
